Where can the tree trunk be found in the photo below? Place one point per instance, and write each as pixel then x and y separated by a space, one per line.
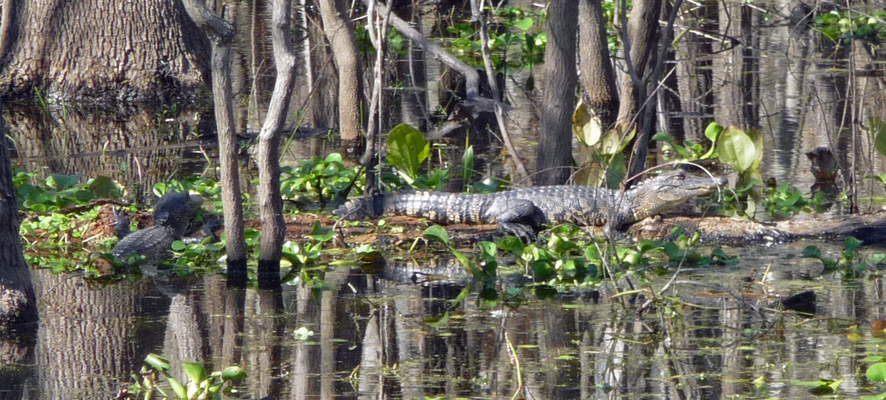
pixel 597 74
pixel 642 39
pixel 554 165
pixel 18 304
pixel 350 73
pixel 85 50
pixel 221 34
pixel 269 197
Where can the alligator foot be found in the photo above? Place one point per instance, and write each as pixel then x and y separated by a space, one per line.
pixel 522 231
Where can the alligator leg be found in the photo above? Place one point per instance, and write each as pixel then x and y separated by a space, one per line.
pixel 520 218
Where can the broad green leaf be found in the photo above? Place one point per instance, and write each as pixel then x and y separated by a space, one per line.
pixel 713 131
pixel 407 149
pixel 321 234
pixel 178 245
pixel 851 243
pixel 878 129
pixel 437 232
pixel 524 24
pixel 104 187
pixel 663 137
pixel 195 371
pixel 877 372
pixel 438 321
pixel 59 182
pixel 616 172
pixel 737 150
pixel 233 373
pixel 811 252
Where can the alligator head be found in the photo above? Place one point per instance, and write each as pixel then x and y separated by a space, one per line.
pixel 667 191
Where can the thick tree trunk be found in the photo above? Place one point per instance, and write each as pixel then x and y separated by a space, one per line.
pixel 221 34
pixel 18 304
pixel 554 165
pixel 147 50
pixel 597 74
pixel 350 73
pixel 269 197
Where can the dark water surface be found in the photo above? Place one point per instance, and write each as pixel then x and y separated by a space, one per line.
pixel 371 337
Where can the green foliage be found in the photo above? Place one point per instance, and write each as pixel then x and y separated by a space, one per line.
pixel 846 263
pixel 689 151
pixel 605 149
pixel 407 151
pixel 319 179
pixel 200 385
pixel 513 43
pixel 849 25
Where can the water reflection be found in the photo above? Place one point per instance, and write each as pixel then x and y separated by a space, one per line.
pixel 372 337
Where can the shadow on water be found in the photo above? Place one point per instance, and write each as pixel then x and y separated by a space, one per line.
pixel 371 336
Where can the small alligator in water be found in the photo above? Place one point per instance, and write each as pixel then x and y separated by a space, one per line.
pixel 524 212
pixel 172 215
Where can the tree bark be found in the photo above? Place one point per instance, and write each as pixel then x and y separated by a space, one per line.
pixel 597 74
pixel 554 164
pixel 18 303
pixel 85 50
pixel 641 40
pixel 269 197
pixel 221 34
pixel 350 73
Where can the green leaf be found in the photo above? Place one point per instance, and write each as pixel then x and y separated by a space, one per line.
pixel 878 129
pixel 812 252
pixel 321 234
pixel 851 244
pixel 524 24
pixel 663 137
pixel 616 171
pixel 157 362
pixel 737 150
pixel 877 372
pixel 467 165
pixel 195 371
pixel 407 150
pixel 437 232
pixel 233 373
pixel 178 388
pixel 59 182
pixel 713 131
pixel 178 245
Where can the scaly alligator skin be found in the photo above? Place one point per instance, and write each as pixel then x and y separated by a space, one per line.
pixel 172 215
pixel 524 212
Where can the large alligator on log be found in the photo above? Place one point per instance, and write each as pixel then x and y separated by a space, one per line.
pixel 173 214
pixel 525 212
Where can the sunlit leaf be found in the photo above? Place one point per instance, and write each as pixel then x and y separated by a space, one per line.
pixel 736 148
pixel 196 372
pixel 407 149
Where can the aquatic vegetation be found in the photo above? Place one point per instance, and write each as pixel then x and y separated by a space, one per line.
pixel 200 385
pixel 847 260
pixel 319 180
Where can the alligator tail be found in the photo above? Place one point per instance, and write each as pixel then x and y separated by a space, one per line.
pixel 363 208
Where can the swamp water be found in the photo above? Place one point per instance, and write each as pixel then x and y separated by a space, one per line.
pixel 383 336
pixel 359 335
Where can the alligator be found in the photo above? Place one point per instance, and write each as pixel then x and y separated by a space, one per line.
pixel 173 214
pixel 525 212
